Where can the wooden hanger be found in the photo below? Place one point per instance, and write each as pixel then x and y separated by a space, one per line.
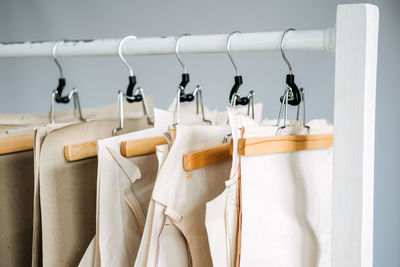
pixel 206 156
pixel 80 151
pixel 280 144
pixel 141 147
pixel 16 144
pixel 252 146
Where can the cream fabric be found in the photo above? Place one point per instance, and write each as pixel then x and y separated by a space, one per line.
pixel 124 189
pixel 286 203
pixel 222 212
pixel 64 221
pixel 110 248
pixel 180 198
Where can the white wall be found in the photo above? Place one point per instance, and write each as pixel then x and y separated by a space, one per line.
pixel 26 84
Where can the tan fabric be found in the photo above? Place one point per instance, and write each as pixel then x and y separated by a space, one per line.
pixel 16 193
pixel 57 191
pixel 68 191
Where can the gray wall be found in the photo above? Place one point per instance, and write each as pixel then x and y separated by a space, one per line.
pixel 26 84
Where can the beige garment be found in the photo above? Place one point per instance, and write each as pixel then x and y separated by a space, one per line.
pixel 181 198
pixel 223 211
pixel 16 193
pixel 88 259
pixel 124 187
pixel 286 203
pixel 65 220
pixel 17 189
pixel 113 249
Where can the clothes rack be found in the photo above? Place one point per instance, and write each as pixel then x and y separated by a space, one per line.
pixel 354 41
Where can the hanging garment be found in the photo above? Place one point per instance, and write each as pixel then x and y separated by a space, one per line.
pixel 179 201
pixel 17 188
pixel 92 251
pixel 223 211
pixel 286 202
pixel 16 209
pixel 124 187
pixel 67 190
pixel 118 246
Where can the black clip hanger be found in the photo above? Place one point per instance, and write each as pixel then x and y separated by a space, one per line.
pixel 61 81
pixel 181 95
pixel 295 95
pixel 57 96
pixel 132 94
pixel 184 97
pixel 58 92
pixel 234 95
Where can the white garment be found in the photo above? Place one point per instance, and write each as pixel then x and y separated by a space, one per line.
pixel 286 203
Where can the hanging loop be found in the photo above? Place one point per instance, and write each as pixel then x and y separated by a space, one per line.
pixel 121 42
pixel 283 52
pixel 294 96
pixel 234 96
pixel 130 95
pixel 227 48
pixel 184 97
pixel 61 81
pixel 56 95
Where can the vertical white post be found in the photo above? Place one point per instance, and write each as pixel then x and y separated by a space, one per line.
pixel 354 135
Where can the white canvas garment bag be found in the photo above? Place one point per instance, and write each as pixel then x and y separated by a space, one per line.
pixel 287 202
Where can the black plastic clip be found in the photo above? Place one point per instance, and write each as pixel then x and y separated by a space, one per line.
pixel 130 94
pixel 295 97
pixel 58 96
pixel 184 97
pixel 235 88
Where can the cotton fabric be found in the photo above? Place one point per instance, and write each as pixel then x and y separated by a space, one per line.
pixel 287 202
pixel 66 191
pixel 179 200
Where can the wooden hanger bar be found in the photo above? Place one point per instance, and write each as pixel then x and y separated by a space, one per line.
pixel 80 151
pixel 207 156
pixel 141 147
pixel 255 146
pixel 16 144
pixel 279 144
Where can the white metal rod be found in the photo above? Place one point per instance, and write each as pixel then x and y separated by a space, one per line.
pixel 317 40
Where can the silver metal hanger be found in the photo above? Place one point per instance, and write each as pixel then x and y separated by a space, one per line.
pixel 234 96
pixel 181 95
pixel 132 95
pixel 288 94
pixel 56 95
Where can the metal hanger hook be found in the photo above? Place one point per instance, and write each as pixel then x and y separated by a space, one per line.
pixel 283 52
pixel 120 52
pixel 178 39
pixel 53 54
pixel 228 42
